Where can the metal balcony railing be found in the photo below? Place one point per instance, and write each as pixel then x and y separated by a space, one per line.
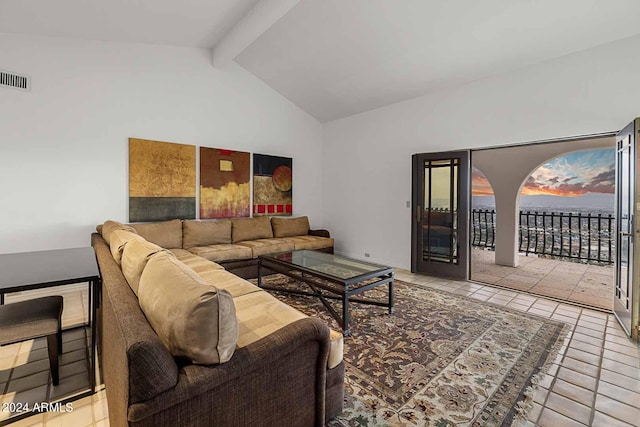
pixel 576 236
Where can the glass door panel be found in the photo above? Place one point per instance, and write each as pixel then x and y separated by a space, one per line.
pixel 626 295
pixel 441 195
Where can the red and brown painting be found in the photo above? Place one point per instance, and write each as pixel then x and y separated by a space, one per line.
pixel 272 185
pixel 224 183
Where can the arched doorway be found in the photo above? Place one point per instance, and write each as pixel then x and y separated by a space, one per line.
pixel 551 215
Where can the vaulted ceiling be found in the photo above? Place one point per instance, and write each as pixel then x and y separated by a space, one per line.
pixel 335 58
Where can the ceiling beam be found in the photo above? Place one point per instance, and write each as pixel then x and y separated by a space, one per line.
pixel 258 20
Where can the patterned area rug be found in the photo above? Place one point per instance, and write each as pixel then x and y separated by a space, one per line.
pixel 440 360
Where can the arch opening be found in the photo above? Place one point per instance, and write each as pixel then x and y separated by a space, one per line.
pixel 553 221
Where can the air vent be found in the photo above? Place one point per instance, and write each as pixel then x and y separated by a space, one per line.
pixel 15 81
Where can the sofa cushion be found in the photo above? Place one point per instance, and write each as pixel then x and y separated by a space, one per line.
pixel 336 351
pixel 205 233
pixel 195 262
pixel 167 234
pixel 311 242
pixel 110 226
pixel 222 279
pixel 219 253
pixel 260 314
pixel 267 246
pixel 192 318
pixel 287 227
pixel 117 241
pixel 250 229
pixel 135 256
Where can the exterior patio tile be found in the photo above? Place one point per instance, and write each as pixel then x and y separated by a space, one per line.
pixel 591 285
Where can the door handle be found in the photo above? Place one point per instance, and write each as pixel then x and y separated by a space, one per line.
pixel 622 233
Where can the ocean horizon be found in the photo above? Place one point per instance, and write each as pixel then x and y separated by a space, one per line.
pixel 588 203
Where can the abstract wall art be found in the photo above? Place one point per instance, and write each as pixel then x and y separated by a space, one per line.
pixel 162 180
pixel 272 185
pixel 224 183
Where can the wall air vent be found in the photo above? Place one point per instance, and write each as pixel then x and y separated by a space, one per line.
pixel 15 81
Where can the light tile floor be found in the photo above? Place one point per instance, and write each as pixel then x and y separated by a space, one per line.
pixel 580 283
pixel 594 380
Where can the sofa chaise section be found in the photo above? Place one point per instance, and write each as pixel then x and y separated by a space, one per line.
pixel 281 374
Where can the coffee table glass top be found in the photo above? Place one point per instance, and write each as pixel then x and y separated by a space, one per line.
pixel 329 264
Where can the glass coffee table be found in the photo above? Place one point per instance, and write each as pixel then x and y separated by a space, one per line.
pixel 329 277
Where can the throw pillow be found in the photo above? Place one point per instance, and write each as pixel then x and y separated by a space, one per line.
pixel 205 233
pixel 135 256
pixel 167 234
pixel 110 226
pixel 117 241
pixel 251 229
pixel 192 318
pixel 289 227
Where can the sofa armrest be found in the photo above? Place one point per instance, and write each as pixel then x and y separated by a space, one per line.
pixel 319 233
pixel 283 373
pixel 132 354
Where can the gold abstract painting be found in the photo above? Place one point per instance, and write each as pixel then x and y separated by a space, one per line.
pixel 224 183
pixel 162 180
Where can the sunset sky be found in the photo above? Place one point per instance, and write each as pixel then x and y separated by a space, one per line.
pixel 571 175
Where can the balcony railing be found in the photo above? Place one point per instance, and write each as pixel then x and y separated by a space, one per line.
pixel 576 236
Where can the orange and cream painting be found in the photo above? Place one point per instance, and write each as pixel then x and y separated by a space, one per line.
pixel 224 183
pixel 162 180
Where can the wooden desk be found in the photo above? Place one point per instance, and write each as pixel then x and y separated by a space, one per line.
pixel 36 270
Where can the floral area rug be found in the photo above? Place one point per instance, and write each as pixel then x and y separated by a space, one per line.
pixel 440 360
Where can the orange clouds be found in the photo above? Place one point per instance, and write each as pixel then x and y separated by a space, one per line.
pixel 480 185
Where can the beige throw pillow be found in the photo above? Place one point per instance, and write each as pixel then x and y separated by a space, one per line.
pixel 192 318
pixel 290 227
pixel 110 226
pixel 205 233
pixel 135 256
pixel 117 241
pixel 251 229
pixel 167 234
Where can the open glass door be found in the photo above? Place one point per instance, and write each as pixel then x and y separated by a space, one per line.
pixel 627 293
pixel 439 243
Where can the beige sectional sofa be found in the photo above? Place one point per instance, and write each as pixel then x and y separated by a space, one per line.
pixel 236 243
pixel 184 341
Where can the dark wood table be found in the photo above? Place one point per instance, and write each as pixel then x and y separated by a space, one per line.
pixel 330 277
pixel 26 271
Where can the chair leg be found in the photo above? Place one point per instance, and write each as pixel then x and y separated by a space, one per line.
pixel 59 336
pixel 52 346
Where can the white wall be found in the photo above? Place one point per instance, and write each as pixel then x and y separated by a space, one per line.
pixel 367 157
pixel 64 145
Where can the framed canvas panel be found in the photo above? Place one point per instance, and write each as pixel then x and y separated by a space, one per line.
pixel 224 183
pixel 272 185
pixel 162 181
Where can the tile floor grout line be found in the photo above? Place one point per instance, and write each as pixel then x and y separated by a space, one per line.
pixel 597 377
pixel 552 383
